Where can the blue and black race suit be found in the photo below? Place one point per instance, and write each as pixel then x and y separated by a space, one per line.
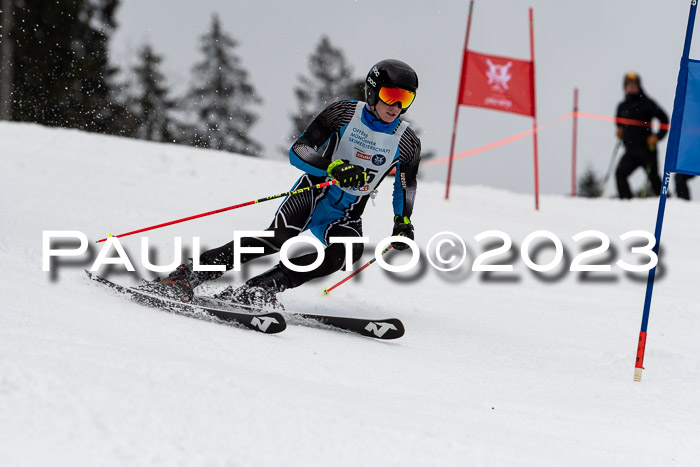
pixel 349 131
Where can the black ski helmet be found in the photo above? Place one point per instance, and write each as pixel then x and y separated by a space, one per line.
pixel 389 73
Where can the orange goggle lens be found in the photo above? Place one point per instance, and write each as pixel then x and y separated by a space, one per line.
pixel 391 96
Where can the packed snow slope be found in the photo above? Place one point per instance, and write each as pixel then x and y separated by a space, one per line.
pixel 517 369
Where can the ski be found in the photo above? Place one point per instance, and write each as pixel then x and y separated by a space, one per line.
pixel 207 301
pixel 268 323
pixel 384 329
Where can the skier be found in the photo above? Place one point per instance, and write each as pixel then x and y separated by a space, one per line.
pixel 365 141
pixel 639 141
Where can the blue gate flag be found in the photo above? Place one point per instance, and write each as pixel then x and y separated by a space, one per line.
pixel 688 159
pixel 682 155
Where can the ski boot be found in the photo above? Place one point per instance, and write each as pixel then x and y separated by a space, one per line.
pixel 179 285
pixel 260 292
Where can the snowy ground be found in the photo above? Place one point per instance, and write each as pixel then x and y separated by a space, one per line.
pixel 501 369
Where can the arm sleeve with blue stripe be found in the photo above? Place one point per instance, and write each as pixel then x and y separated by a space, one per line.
pixel 303 153
pixel 406 181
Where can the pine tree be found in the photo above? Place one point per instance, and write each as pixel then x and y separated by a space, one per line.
pixel 6 58
pixel 151 104
pixel 331 79
pixel 61 74
pixel 221 97
pixel 124 121
pixel 91 108
pixel 589 185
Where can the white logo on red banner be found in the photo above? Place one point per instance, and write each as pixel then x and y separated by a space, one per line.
pixel 498 75
pixel 498 83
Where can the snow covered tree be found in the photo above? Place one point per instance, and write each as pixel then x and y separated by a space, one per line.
pixel 330 79
pixel 589 186
pixel 6 60
pixel 151 105
pixel 92 109
pixel 219 103
pixel 61 72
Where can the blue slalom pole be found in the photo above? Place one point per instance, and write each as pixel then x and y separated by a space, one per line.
pixel 669 166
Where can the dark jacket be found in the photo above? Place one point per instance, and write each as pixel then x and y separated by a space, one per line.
pixel 639 107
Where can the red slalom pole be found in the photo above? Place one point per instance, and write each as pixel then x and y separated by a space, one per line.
pixel 534 112
pixel 328 290
pixel 573 144
pixel 261 200
pixel 462 79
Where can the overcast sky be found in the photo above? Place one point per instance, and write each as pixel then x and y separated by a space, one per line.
pixel 589 44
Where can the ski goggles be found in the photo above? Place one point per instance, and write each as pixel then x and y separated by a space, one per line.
pixel 391 96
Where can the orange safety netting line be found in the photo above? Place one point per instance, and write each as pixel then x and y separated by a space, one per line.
pixel 622 121
pixel 499 143
pixel 518 136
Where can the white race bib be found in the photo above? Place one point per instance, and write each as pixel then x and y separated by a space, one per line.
pixel 372 150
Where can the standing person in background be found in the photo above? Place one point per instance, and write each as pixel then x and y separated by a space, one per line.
pixel 639 141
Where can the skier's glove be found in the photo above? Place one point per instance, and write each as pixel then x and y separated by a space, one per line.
pixel 402 226
pixel 348 175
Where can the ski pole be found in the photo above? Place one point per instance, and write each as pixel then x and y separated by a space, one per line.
pixel 261 200
pixel 328 290
pixel 610 168
pixel 647 184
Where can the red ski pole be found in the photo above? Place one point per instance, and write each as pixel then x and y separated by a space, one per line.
pixel 328 290
pixel 261 200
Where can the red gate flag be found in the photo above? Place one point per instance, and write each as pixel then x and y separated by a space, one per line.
pixel 498 83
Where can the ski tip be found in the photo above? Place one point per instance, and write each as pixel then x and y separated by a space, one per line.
pixel 282 324
pixel 383 329
pixel 386 329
